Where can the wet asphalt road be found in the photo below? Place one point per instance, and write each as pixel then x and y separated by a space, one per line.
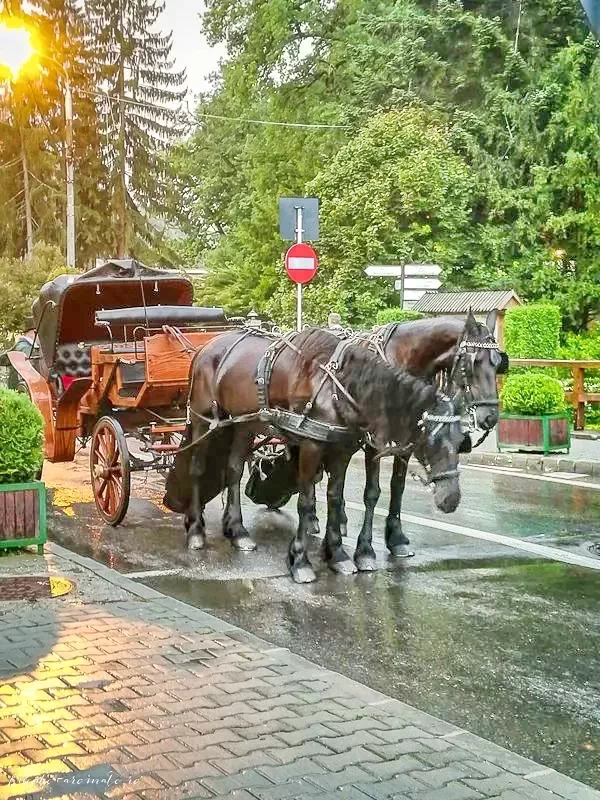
pixel 489 638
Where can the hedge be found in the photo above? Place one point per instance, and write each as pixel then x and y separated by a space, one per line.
pixel 396 314
pixel 532 331
pixel 21 436
pixel 532 394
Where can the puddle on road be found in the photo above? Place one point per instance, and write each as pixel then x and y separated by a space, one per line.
pixel 508 648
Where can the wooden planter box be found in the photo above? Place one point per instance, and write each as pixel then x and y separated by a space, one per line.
pixel 23 515
pixel 545 434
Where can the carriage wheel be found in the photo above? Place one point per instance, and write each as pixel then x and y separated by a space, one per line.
pixel 111 473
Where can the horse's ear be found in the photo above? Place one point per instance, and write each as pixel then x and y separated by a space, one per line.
pixel 471 328
pixel 491 320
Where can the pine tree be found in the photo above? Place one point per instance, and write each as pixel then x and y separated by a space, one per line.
pixel 139 111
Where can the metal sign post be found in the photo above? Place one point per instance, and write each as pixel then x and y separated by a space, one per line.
pixel 299 232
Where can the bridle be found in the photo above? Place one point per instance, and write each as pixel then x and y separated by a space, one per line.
pixel 465 389
pixel 439 420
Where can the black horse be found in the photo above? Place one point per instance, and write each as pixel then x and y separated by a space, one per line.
pixel 464 356
pixel 326 396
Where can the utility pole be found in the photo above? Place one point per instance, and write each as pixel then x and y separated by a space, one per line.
pixel 70 171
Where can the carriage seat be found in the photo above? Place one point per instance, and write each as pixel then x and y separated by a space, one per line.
pixel 155 316
pixel 73 361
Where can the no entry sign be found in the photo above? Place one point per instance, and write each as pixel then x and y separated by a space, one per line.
pixel 301 263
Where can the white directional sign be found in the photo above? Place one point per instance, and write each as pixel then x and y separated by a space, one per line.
pixel 384 270
pixel 421 283
pixel 413 295
pixel 422 270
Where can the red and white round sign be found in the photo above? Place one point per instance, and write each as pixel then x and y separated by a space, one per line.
pixel 301 263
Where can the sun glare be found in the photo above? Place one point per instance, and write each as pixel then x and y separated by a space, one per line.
pixel 16 49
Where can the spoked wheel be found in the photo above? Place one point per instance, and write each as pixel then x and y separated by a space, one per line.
pixel 111 472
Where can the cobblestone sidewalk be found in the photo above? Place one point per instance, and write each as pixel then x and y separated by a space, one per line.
pixel 122 692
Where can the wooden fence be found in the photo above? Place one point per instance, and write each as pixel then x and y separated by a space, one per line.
pixel 578 397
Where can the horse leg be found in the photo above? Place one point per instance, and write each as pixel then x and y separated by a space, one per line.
pixel 311 456
pixel 364 555
pixel 194 520
pixel 337 558
pixel 233 527
pixel 395 540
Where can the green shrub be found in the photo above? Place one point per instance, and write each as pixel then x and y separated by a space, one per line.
pixel 396 314
pixel 21 435
pixel 532 331
pixel 581 346
pixel 532 394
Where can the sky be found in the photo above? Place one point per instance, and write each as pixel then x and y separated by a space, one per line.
pixel 189 47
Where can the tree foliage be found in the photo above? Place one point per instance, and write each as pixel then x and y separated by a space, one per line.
pixel 508 90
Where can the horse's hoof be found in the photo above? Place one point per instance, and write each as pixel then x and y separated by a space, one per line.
pixel 244 544
pixel 365 562
pixel 343 567
pixel 401 551
pixel 196 542
pixel 303 574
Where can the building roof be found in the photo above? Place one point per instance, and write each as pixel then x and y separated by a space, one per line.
pixel 461 302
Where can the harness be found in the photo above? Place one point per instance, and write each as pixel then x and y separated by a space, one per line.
pixel 301 424
pixel 297 424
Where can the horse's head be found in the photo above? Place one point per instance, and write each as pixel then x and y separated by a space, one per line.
pixel 437 448
pixel 472 379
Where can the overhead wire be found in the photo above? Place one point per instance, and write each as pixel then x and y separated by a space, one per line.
pixel 193 118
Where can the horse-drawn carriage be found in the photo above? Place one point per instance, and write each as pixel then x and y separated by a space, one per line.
pixel 115 347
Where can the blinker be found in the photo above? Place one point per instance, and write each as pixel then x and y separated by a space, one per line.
pixel 504 364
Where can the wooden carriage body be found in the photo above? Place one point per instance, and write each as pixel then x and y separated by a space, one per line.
pixel 116 344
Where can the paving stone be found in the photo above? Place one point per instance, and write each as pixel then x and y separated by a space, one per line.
pixel 28 771
pixel 398 766
pixel 283 791
pixel 335 780
pixel 342 743
pixel 297 769
pixel 224 784
pixel 357 755
pixel 455 790
pixel 404 747
pixel 442 775
pixel 392 787
pixel 240 747
pixel 348 727
pixel 495 786
pixel 286 754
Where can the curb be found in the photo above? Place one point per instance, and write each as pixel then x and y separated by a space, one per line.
pixel 530 462
pixel 538 775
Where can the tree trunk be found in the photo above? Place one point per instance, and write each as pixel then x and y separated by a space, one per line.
pixel 26 191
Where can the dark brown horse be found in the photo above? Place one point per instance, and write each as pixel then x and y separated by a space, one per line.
pixel 339 393
pixel 465 354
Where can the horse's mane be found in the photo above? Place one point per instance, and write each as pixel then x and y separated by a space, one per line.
pixel 378 388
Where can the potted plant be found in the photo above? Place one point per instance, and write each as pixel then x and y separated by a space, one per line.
pixel 533 415
pixel 22 498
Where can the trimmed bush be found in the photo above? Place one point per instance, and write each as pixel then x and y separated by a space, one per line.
pixel 396 314
pixel 532 331
pixel 532 394
pixel 21 436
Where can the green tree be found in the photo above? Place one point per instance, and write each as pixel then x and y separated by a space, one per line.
pixel 141 92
